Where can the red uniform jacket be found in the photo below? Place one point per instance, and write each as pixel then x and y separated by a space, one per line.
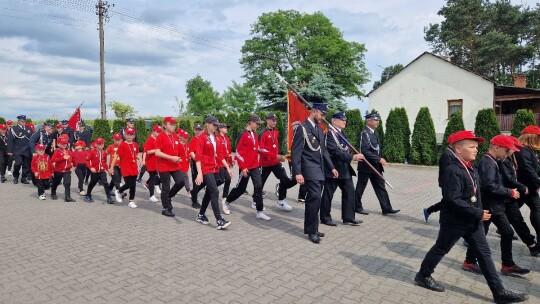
pixel 59 163
pixel 193 145
pixel 128 158
pixel 97 159
pixel 43 166
pixel 269 147
pixel 209 158
pixel 247 150
pixel 79 157
pixel 183 152
pixel 226 142
pixel 151 159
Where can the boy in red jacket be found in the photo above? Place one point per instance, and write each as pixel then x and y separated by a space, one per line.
pixel 150 161
pixel 223 174
pixel 247 156
pixel 42 169
pixel 96 162
pixel 184 153
pixel 79 162
pixel 62 163
pixel 128 153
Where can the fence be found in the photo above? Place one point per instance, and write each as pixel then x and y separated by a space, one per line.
pixel 507 120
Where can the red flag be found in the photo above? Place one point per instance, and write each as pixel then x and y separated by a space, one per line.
pixel 297 113
pixel 75 118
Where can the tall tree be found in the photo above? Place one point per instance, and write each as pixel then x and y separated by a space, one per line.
pixel 121 110
pixel 486 126
pixel 454 125
pixel 203 99
pixel 424 142
pixel 388 73
pixel 240 98
pixel 297 46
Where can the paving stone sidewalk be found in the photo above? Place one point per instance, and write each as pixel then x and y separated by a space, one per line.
pixel 57 252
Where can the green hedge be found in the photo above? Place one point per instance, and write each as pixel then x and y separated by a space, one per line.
pixel 393 149
pixel 454 125
pixel 102 128
pixel 142 133
pixel 424 141
pixel 355 125
pixel 486 126
pixel 186 125
pixel 405 131
pixel 522 119
pixel 118 125
pixel 2 120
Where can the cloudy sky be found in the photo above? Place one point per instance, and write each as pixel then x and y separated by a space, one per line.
pixel 49 49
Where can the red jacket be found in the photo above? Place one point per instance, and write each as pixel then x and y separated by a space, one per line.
pixel 209 158
pixel 43 166
pixel 79 157
pixel 151 159
pixel 226 143
pixel 193 144
pixel 59 163
pixel 183 152
pixel 97 159
pixel 247 150
pixel 269 147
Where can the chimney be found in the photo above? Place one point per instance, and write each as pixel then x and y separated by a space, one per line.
pixel 520 80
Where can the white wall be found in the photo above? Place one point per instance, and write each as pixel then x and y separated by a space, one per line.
pixel 431 82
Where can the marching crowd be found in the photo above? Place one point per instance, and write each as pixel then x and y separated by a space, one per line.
pixel 473 198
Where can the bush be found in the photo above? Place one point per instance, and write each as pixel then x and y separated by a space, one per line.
pixel 118 125
pixel 424 141
pixel 454 125
pixel 102 129
pixel 142 132
pixel 54 121
pixel 486 126
pixel 522 119
pixel 186 125
pixel 393 149
pixel 381 136
pixel 405 131
pixel 2 120
pixel 355 125
pixel 281 126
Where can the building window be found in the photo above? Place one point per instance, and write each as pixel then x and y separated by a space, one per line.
pixel 455 105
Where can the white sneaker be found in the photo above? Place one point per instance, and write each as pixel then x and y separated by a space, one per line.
pixel 157 189
pixel 154 199
pixel 254 206
pixel 225 205
pixel 132 204
pixel 42 197
pixel 118 196
pixel 9 173
pixel 82 193
pixel 262 216
pixel 282 205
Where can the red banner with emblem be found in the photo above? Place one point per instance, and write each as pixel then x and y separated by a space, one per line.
pixel 297 113
pixel 75 118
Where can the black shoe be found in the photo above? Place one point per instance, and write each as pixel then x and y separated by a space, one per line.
pixel 124 195
pixel 429 283
pixel 15 181
pixel 329 223
pixel 68 199
pixel 195 205
pixel 24 181
pixel 314 238
pixel 535 250
pixel 54 197
pixel 507 296
pixel 167 212
pixel 88 199
pixel 110 200
pixel 391 211
pixel 514 270
pixel 470 267
pixel 352 222
pixel 362 211
pixel 320 234
pixel 3 179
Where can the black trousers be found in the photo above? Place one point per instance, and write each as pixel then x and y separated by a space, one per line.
pixel 153 180
pixel 212 181
pixel 142 171
pixel 302 192
pixel 378 186
pixel 476 238
pixel 226 179
pixel 94 179
pixel 532 200
pixel 196 188
pixel 57 178
pixel 516 220
pixel 80 171
pixel 506 231
pixel 24 162
pixel 3 163
pixel 10 162
pixel 347 199
pixel 115 179
pixel 42 185
pixel 167 193
pixel 285 182
pixel 130 182
pixel 255 175
pixel 313 204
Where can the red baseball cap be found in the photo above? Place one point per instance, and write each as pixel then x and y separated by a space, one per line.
pixel 117 136
pixel 462 135
pixel 99 140
pixel 80 143
pixel 516 141
pixel 9 123
pixel 531 130
pixel 169 119
pixel 3 127
pixel 502 140
pixel 182 133
pixel 58 126
pixel 63 140
pixel 130 131
pixel 93 145
pixel 40 147
pixel 157 128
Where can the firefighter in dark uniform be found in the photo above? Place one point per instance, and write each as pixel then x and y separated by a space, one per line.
pixel 371 148
pixel 83 134
pixel 43 137
pixel 462 216
pixel 69 131
pixel 3 153
pixel 341 158
pixel 18 146
pixel 310 160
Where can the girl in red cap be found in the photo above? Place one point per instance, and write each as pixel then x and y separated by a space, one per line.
pixel 150 161
pixel 128 155
pixel 116 177
pixel 43 170
pixel 96 162
pixel 79 162
pixel 62 161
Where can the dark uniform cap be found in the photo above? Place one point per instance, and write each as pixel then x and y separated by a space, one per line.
pixel 130 120
pixel 223 125
pixel 64 122
pixel 373 115
pixel 82 124
pixel 321 107
pixel 21 117
pixel 340 116
pixel 255 118
pixel 198 126
pixel 271 115
pixel 211 119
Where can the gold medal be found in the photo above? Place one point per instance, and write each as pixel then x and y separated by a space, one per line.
pixel 274 145
pixel 473 199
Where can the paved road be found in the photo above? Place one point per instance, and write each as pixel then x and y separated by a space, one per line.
pixel 57 252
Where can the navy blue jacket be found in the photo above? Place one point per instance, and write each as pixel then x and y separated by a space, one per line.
pixel 371 148
pixel 339 154
pixel 311 164
pixel 18 139
pixel 494 193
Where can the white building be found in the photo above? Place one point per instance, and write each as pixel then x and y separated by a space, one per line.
pixel 433 82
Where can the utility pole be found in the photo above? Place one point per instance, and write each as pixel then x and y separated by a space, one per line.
pixel 102 11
